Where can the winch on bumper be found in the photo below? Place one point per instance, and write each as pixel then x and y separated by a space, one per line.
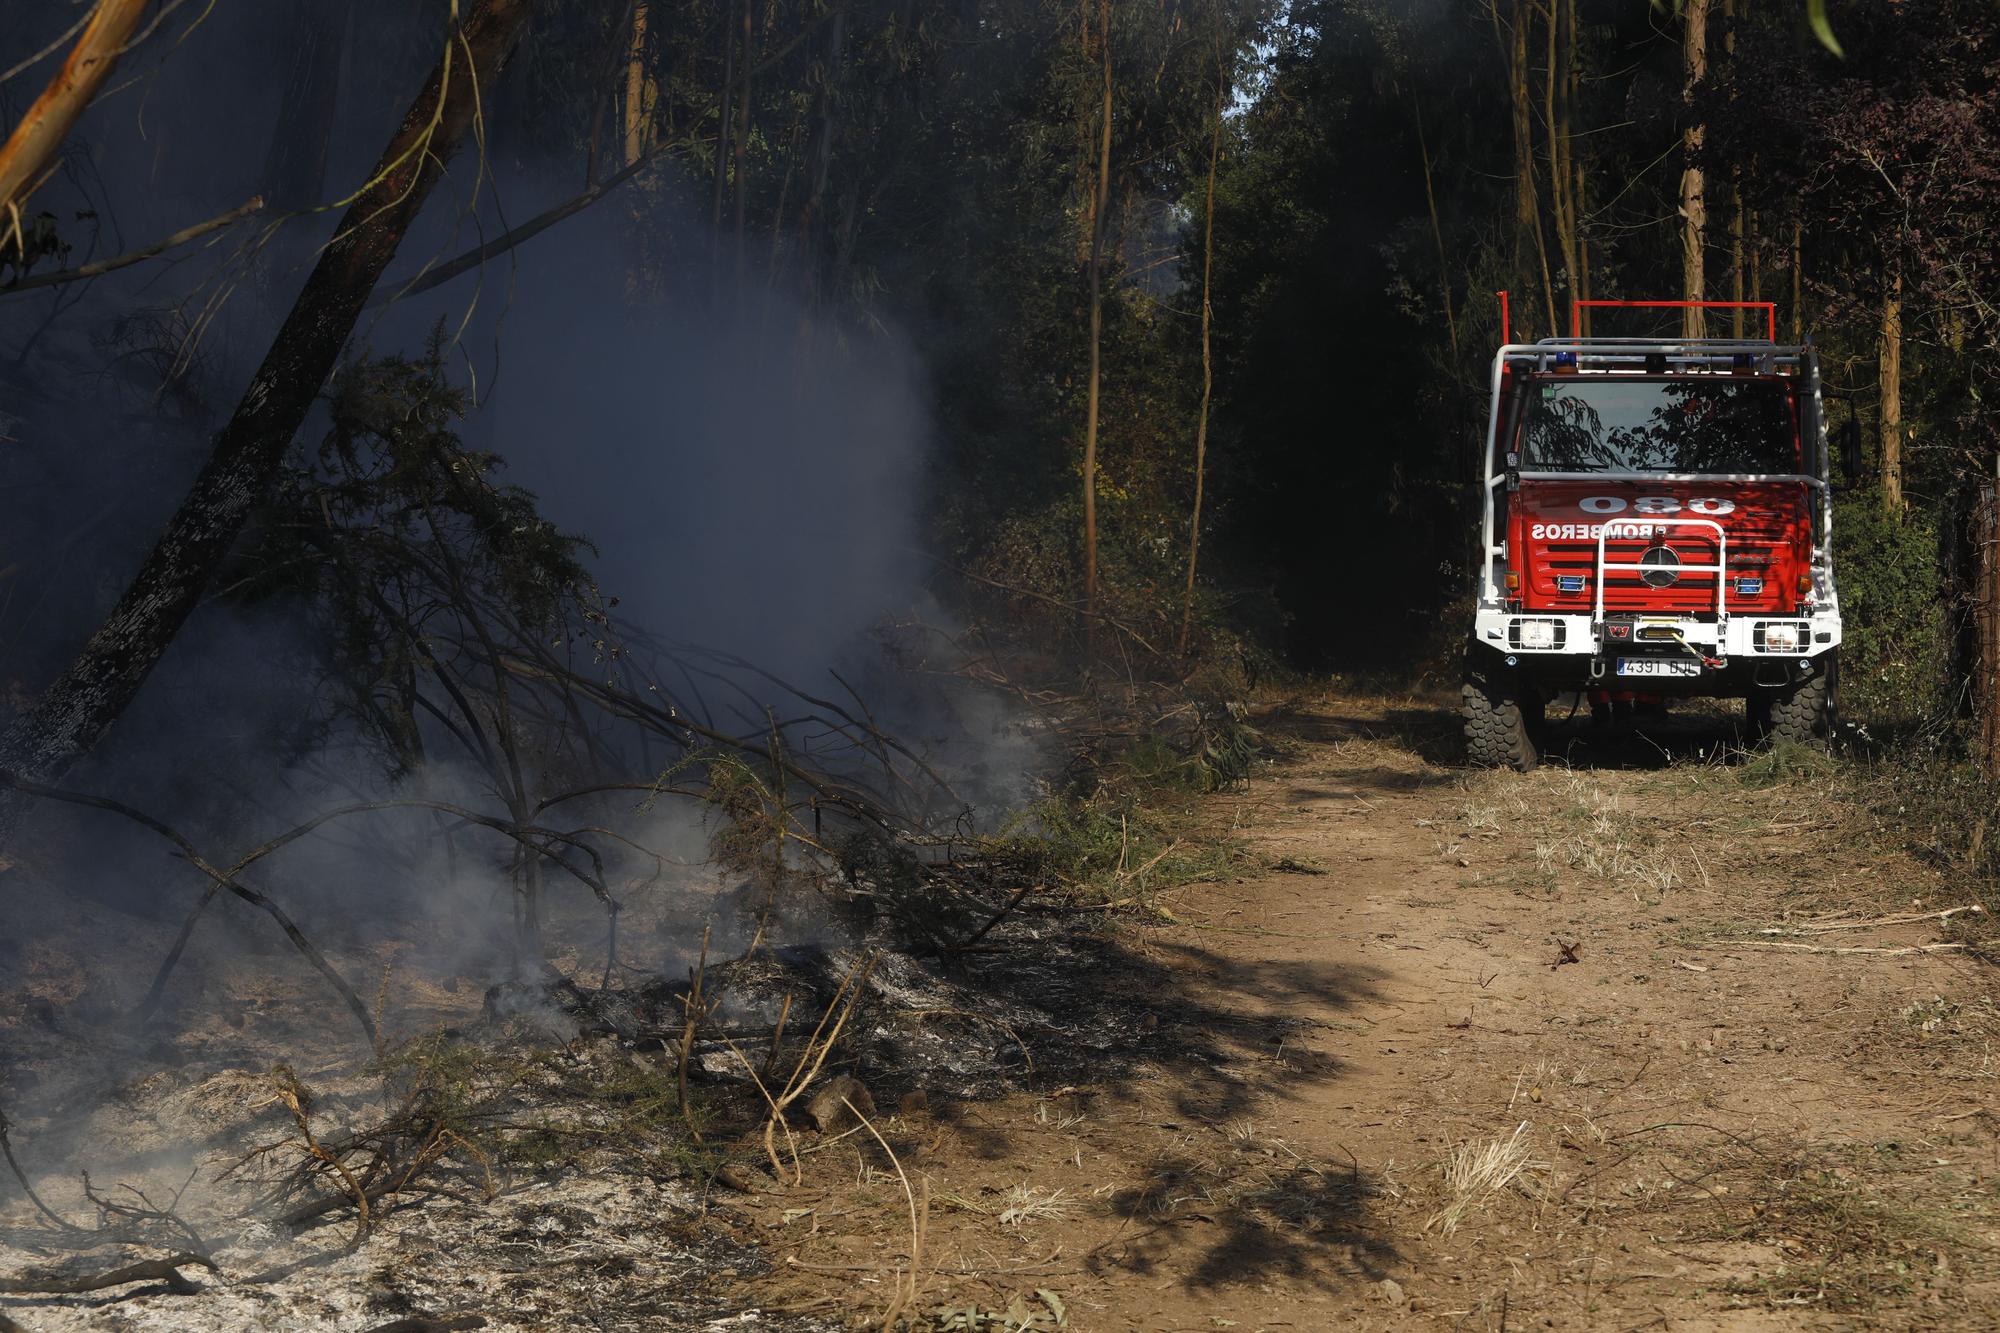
pixel 1679 654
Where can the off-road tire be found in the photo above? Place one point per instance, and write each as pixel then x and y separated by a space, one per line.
pixel 1499 725
pixel 1799 715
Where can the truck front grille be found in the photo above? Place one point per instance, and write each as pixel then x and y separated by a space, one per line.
pixel 1570 565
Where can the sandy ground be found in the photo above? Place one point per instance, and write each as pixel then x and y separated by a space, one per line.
pixel 1587 1048
pixel 1384 1094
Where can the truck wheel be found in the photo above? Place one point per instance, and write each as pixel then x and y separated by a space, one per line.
pixel 1499 725
pixel 1799 715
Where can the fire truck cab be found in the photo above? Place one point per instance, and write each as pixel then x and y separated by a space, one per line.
pixel 1657 522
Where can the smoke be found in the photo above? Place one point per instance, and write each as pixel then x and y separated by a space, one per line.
pixel 748 470
pixel 747 485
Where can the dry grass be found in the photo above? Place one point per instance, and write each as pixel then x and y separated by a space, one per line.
pixel 1478 1169
pixel 1849 1227
pixel 1025 1204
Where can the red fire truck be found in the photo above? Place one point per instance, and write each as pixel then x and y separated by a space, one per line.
pixel 1657 522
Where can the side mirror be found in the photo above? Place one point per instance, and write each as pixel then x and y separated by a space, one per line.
pixel 1851 465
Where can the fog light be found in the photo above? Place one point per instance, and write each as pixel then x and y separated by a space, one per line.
pixel 1538 634
pixel 1781 638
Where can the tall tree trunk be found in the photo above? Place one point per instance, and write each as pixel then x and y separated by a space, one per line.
pixel 1208 360
pixel 1983 530
pixel 1892 394
pixel 295 162
pixel 641 91
pixel 28 156
pixel 1555 115
pixel 617 51
pixel 1735 192
pixel 1753 246
pixel 1736 262
pixel 722 137
pixel 73 713
pixel 1100 212
pixel 1579 195
pixel 1799 281
pixel 742 145
pixel 1694 203
pixel 1527 211
pixel 1437 236
pixel 820 155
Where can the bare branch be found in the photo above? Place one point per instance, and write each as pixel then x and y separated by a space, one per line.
pixel 221 877
pixel 161 246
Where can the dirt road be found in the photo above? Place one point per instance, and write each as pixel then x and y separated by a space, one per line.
pixel 1597 1047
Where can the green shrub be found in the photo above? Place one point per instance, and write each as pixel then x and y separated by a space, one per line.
pixel 1893 662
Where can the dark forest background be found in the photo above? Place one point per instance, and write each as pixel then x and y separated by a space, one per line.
pixel 1192 302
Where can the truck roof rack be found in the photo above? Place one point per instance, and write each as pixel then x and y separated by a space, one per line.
pixel 1762 357
pixel 1705 343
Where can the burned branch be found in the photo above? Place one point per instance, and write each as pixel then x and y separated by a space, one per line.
pixel 167 1270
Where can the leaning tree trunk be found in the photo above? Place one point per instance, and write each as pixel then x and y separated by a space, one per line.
pixel 74 712
pixel 1694 202
pixel 30 149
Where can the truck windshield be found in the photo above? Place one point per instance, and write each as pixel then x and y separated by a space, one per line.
pixel 1579 424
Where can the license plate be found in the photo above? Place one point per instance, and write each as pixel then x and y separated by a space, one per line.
pixel 1658 666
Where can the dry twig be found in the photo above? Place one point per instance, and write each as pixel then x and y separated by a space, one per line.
pixel 1821 948
pixel 906 1284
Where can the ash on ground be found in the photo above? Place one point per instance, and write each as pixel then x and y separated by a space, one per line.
pixel 546 1156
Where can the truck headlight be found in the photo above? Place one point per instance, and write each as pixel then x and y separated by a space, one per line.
pixel 1781 638
pixel 1538 634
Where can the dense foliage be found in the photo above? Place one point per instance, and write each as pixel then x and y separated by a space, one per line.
pixel 939 173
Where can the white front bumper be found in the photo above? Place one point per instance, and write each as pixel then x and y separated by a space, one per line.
pixel 1576 636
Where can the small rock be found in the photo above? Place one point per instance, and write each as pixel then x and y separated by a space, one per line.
pixel 828 1110
pixel 1391 1291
